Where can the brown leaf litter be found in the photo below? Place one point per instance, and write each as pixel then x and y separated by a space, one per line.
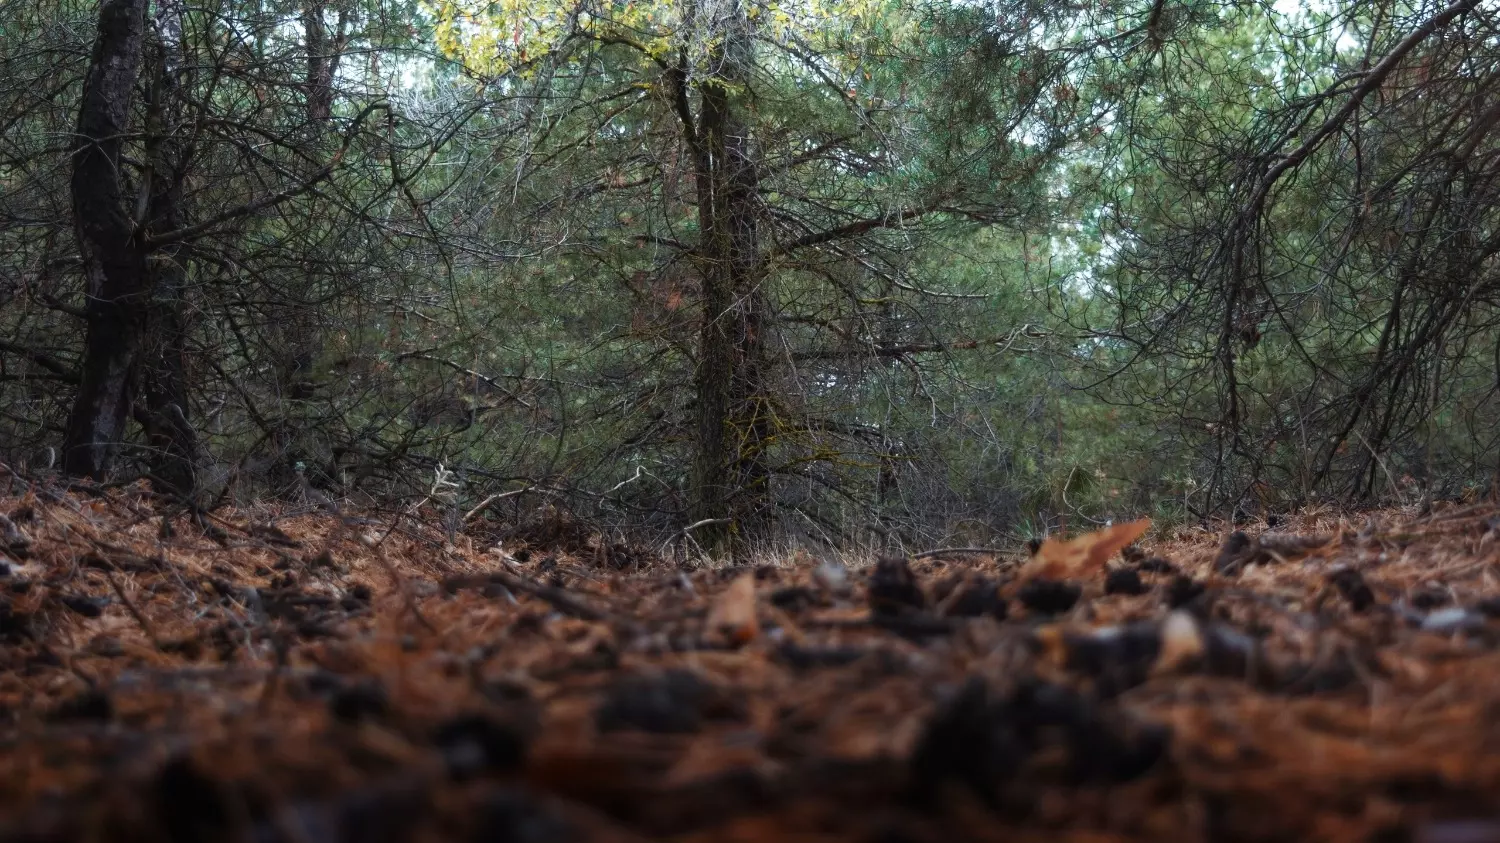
pixel 271 676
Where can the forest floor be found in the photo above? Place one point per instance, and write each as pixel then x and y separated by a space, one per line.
pixel 259 675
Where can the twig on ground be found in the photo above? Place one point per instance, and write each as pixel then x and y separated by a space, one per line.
pixel 956 551
pixel 134 611
pixel 560 600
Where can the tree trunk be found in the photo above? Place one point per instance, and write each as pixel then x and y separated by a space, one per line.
pixel 730 480
pixel 323 54
pixel 114 266
pixel 169 432
pixel 301 331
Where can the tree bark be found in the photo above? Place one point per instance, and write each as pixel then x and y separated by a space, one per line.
pixel 114 268
pixel 323 54
pixel 169 432
pixel 730 479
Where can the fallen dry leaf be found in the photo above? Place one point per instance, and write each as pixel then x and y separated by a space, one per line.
pixel 732 617
pixel 1069 559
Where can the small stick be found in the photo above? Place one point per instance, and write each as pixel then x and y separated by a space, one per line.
pixel 561 600
pixel 492 499
pixel 401 587
pixel 703 523
pixel 134 612
pixel 956 551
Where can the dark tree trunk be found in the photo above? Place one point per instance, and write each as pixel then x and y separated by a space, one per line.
pixel 301 332
pixel 169 432
pixel 730 480
pixel 323 53
pixel 114 265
